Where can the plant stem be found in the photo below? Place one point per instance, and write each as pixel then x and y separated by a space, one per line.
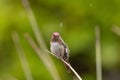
pixel 72 69
pixel 98 54
pixel 22 56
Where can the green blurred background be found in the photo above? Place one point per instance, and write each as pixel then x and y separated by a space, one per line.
pixel 78 19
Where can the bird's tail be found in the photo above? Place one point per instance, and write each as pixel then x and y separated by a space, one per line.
pixel 67 67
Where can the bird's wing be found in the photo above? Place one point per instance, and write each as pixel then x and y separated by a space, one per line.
pixel 66 50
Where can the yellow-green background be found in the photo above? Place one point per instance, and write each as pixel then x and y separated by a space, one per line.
pixel 79 18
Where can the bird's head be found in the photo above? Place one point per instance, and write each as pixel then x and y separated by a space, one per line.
pixel 55 36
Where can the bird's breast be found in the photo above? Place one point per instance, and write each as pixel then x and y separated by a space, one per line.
pixel 57 49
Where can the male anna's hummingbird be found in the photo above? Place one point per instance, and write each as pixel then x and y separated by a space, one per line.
pixel 59 48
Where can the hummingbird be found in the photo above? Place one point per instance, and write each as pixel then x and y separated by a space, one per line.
pixel 59 48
